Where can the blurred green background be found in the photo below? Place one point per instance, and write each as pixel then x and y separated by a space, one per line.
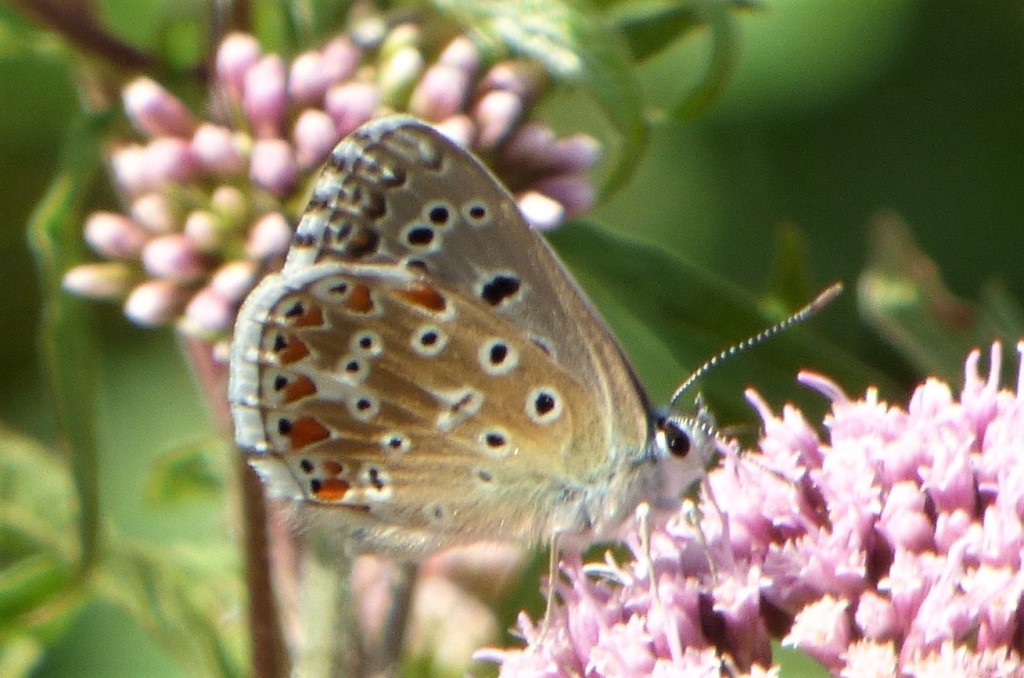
pixel 839 110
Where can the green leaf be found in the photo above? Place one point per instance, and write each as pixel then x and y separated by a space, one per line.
pixel 650 26
pixel 192 472
pixel 902 294
pixel 189 599
pixel 575 47
pixel 666 308
pixel 39 590
pixel 722 60
pixel 68 344
pixel 19 656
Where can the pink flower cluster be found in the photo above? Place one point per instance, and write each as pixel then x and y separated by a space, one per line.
pixel 211 205
pixel 893 547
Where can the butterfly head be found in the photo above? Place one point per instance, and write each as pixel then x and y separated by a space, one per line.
pixel 684 447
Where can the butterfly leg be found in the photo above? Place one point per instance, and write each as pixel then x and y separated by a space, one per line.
pixel 643 516
pixel 392 637
pixel 552 585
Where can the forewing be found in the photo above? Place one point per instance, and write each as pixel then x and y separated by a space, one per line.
pixel 398 191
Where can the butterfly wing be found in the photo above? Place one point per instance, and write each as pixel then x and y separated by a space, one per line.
pixel 423 360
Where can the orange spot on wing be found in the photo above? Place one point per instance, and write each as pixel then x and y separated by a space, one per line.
pixel 332 489
pixel 299 388
pixel 312 317
pixel 359 299
pixel 289 349
pixel 422 294
pixel 306 431
pixel 331 467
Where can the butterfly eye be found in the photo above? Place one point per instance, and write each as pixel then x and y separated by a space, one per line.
pixel 677 441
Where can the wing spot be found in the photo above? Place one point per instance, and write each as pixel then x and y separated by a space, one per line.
pixel 329 489
pixel 497 357
pixel 423 295
pixel 362 243
pixel 500 288
pixel 359 299
pixel 299 388
pixel 544 405
pixel 306 465
pixel 302 431
pixel 289 349
pixel 417 265
pixel 363 407
pixel 436 514
pixel 421 237
pixel 300 314
pixel 542 343
pixel 496 442
pixel 428 341
pixel 484 475
pixel 367 343
pixel 461 405
pixel 476 213
pixel 375 478
pixel 332 467
pixel 395 443
pixel 280 381
pixel 439 214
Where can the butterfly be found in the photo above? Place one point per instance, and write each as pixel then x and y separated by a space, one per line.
pixel 424 372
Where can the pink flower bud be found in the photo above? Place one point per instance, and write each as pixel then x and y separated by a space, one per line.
pixel 307 78
pixel 461 53
pixel 496 113
pixel 529 144
pixel 440 93
pixel 273 165
pixel 155 111
pixel 235 279
pixel 238 52
pixel 576 153
pixel 154 303
pixel 314 137
pixel 574 192
pixel 128 164
pixel 519 77
pixel 218 150
pixel 264 100
pixel 204 230
pixel 153 211
pixel 174 257
pixel 269 237
pixel 540 211
pixel 107 280
pixel 351 104
pixel 458 128
pixel 114 235
pixel 339 59
pixel 170 160
pixel 207 314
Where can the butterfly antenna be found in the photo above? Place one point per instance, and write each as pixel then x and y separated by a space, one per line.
pixel 819 302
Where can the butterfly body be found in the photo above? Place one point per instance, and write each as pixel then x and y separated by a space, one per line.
pixel 424 372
